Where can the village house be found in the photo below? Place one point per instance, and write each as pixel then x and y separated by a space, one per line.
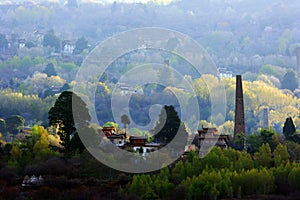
pixel 67 47
pixel 21 43
pixel 122 140
pixel 209 136
pixel 32 181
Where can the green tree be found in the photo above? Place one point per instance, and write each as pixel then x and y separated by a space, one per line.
pixel 289 128
pixel 264 156
pixel 289 81
pixel 51 40
pixel 41 146
pixel 178 173
pixel 294 178
pixel 268 136
pixel 14 124
pixel 239 141
pixel 269 70
pixel 50 70
pixel 66 119
pixel 167 126
pixel 80 45
pixel 125 120
pixel 253 143
pixel 281 155
pixel 141 185
pixel 29 44
pixel 16 152
pixel 111 124
pixel 163 187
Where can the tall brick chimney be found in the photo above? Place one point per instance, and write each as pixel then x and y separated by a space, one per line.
pixel 298 64
pixel 239 122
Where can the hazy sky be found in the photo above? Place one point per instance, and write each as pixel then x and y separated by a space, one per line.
pixel 95 1
pixel 108 1
pixel 129 1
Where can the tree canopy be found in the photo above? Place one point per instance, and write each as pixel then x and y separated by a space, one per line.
pixel 68 112
pixel 14 124
pixel 80 45
pixel 167 125
pixel 125 120
pixel 289 128
pixel 51 40
pixel 289 81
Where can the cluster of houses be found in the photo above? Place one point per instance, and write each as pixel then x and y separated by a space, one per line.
pixel 15 43
pixel 204 136
pixel 32 181
pixel 124 141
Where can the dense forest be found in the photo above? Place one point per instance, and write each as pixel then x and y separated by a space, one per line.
pixel 239 35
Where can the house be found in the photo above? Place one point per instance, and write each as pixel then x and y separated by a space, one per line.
pixel 210 136
pixel 109 130
pixel 139 141
pixel 67 47
pixel 118 139
pixel 126 89
pixel 21 43
pixel 32 181
pixel 224 73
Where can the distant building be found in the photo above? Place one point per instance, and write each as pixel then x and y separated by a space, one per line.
pixel 118 139
pixel 126 89
pixel 21 43
pixel 211 136
pixel 109 130
pixel 67 47
pixel 137 141
pixel 224 73
pixel 32 181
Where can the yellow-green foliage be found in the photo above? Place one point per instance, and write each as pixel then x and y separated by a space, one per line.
pixel 222 174
pixel 258 94
pixel 29 104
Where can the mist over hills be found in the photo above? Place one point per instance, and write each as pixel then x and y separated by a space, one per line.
pixel 88 1
pixel 239 35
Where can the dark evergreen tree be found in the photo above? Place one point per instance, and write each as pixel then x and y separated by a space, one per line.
pixel 289 128
pixel 76 143
pixel 253 143
pixel 29 44
pixel 50 70
pixel 80 45
pixel 51 40
pixel 63 116
pixel 238 142
pixel 167 126
pixel 65 87
pixel 289 81
pixel 14 124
